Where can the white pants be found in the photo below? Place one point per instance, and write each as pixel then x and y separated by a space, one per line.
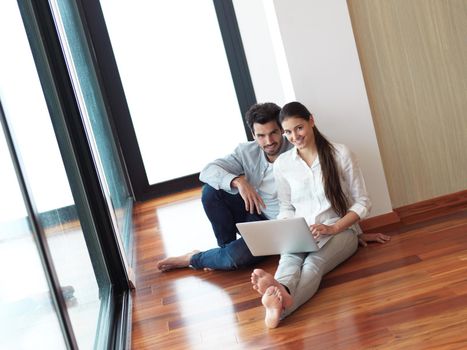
pixel 302 273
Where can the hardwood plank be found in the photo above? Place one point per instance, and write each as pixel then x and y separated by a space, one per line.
pixel 373 270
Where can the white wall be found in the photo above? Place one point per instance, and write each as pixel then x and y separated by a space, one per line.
pixel 325 74
pixel 264 50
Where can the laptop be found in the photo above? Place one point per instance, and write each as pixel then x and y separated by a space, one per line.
pixel 280 236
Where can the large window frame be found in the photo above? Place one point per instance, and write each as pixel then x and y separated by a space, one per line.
pixel 81 170
pixel 112 86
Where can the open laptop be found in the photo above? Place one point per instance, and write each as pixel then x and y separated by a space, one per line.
pixel 271 237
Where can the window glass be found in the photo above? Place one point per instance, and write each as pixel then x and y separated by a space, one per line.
pixel 177 83
pixel 95 118
pixel 27 319
pixel 83 279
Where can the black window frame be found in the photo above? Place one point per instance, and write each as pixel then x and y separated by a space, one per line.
pixel 113 89
pixel 72 139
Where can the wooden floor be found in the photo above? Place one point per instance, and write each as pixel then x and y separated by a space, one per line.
pixel 408 294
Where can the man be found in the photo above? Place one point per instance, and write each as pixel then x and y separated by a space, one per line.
pixel 239 187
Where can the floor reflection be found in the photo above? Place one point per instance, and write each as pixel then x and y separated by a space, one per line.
pixel 184 227
pixel 201 309
pixel 206 313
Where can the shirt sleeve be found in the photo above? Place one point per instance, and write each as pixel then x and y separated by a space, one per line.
pixel 358 196
pixel 220 173
pixel 286 209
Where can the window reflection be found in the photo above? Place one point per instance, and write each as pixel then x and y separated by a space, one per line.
pixel 27 317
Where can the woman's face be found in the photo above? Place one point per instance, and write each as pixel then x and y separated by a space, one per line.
pixel 299 131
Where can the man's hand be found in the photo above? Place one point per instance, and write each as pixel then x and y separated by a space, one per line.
pixel 252 199
pixel 364 238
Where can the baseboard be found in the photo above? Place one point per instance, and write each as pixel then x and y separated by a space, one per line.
pixel 435 206
pixel 417 212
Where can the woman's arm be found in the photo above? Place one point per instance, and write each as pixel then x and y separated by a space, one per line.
pixel 354 186
pixel 341 225
pixel 353 182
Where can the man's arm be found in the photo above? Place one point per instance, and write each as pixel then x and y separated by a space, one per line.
pixel 220 173
pixel 228 174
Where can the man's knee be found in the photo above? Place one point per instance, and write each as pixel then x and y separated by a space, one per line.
pixel 209 194
pixel 212 198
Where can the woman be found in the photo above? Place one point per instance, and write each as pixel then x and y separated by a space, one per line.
pixel 322 182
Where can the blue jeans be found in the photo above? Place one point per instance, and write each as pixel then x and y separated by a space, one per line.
pixel 224 210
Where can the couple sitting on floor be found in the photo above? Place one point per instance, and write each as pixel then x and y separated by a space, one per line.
pixel 311 177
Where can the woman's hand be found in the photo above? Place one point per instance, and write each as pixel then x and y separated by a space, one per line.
pixel 318 230
pixel 364 238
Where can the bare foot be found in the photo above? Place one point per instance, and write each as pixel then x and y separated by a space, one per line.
pixel 273 303
pixel 175 262
pixel 262 280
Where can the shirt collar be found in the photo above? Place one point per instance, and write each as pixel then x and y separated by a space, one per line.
pixel 295 155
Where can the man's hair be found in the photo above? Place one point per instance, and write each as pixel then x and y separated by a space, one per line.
pixel 262 113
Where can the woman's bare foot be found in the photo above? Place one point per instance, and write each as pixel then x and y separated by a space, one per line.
pixel 261 281
pixel 175 262
pixel 273 303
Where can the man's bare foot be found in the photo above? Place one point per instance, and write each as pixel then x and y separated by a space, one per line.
pixel 175 262
pixel 273 303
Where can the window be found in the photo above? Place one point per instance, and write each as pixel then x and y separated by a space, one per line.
pixel 183 78
pixel 67 281
pixel 93 113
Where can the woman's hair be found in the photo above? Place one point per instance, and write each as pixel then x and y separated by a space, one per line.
pixel 332 185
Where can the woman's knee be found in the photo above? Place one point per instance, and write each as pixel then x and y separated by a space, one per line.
pixel 292 259
pixel 336 250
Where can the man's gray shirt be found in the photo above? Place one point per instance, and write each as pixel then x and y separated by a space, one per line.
pixel 247 159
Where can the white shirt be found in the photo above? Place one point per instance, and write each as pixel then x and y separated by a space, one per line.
pixel 300 188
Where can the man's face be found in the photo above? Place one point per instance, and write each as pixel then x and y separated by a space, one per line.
pixel 269 138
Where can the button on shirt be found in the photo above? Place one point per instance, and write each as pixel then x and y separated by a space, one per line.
pixel 300 188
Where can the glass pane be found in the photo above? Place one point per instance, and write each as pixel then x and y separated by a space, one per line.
pixel 94 116
pixel 27 317
pixel 83 280
pixel 177 82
